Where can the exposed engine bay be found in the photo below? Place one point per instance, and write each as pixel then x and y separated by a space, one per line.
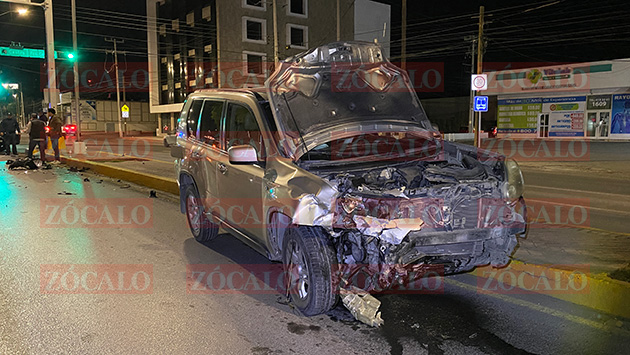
pixel 415 215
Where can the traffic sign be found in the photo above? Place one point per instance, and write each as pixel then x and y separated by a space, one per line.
pixel 24 52
pixel 479 82
pixel 481 103
pixel 125 111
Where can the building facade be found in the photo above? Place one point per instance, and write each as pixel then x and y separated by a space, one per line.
pixel 582 100
pixel 196 44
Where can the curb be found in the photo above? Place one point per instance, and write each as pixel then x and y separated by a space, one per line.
pixel 602 293
pixel 148 180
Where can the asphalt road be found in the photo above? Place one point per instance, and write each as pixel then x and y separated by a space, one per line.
pixel 35 319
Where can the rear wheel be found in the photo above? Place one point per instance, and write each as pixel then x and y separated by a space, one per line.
pixel 309 261
pixel 202 229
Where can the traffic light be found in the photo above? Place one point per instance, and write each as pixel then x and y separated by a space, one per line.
pixel 71 56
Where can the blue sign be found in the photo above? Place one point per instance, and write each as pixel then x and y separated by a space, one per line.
pixel 481 103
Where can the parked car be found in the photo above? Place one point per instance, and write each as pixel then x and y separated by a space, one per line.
pixel 278 168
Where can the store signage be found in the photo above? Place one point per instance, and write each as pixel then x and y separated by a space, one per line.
pixel 620 114
pixel 518 115
pixel 566 115
pixel 598 102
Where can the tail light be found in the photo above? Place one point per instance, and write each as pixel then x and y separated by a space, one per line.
pixel 47 129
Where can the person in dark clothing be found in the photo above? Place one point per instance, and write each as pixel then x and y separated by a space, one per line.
pixel 42 116
pixel 55 123
pixel 10 130
pixel 36 130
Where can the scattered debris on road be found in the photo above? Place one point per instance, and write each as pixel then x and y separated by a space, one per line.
pixel 363 306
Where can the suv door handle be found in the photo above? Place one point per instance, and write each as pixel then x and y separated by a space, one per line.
pixel 222 168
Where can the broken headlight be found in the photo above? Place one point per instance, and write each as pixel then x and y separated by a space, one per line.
pixel 514 185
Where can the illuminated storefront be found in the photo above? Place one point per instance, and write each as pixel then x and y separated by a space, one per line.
pixel 589 100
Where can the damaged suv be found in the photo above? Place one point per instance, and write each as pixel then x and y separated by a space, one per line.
pixel 335 165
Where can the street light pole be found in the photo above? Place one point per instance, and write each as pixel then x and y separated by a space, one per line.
pixel 115 41
pixel 50 54
pixel 77 79
pixel 50 45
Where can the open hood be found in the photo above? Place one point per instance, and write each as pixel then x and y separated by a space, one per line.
pixel 338 86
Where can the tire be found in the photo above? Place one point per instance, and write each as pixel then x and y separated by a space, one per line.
pixel 309 260
pixel 202 229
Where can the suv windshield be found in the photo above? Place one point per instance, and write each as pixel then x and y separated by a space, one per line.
pixel 341 84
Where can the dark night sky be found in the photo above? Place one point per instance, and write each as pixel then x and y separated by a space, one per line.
pixel 519 32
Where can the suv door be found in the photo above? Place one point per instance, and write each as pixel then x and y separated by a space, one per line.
pixel 209 143
pixel 240 185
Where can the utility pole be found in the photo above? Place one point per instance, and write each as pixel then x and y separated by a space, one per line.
pixel 471 111
pixel 403 54
pixel 338 20
pixel 115 41
pixel 275 32
pixel 75 67
pixel 479 70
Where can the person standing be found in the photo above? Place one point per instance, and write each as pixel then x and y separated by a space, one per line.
pixel 10 130
pixel 36 130
pixel 42 116
pixel 55 124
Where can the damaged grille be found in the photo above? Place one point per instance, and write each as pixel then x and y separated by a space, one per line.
pixel 465 215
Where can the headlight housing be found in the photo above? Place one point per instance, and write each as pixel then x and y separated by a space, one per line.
pixel 514 184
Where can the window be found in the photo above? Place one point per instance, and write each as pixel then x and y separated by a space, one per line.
pixel 255 4
pixel 297 8
pixel 254 64
pixel 193 117
pixel 206 13
pixel 190 19
pixel 254 30
pixel 241 128
pixel 162 30
pixel 210 123
pixel 175 25
pixel 297 36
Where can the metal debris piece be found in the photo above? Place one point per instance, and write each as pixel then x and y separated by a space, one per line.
pixel 363 306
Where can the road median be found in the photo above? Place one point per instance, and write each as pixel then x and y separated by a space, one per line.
pixel 148 180
pixel 571 283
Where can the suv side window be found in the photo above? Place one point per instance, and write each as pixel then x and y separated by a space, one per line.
pixel 210 122
pixel 193 117
pixel 241 128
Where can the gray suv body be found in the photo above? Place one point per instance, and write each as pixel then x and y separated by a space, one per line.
pixel 334 164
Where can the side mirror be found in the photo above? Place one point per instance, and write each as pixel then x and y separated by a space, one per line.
pixel 243 154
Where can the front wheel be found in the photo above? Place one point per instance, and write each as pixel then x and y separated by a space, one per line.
pixel 309 262
pixel 202 229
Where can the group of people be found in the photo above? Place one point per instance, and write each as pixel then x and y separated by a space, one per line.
pixel 36 131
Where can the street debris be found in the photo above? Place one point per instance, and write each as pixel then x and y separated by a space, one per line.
pixel 153 194
pixel 65 193
pixel 86 180
pixel 363 306
pixel 26 164
pixel 78 170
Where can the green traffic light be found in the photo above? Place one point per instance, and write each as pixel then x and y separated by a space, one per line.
pixel 71 56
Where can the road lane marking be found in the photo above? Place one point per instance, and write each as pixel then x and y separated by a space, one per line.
pixel 573 190
pixel 570 205
pixel 544 309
